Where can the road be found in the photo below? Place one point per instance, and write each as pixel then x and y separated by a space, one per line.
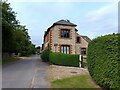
pixel 23 73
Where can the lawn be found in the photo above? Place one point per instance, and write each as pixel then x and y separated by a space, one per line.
pixel 81 81
pixel 10 60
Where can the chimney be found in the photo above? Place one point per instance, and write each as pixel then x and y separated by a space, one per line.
pixel 67 20
pixel 45 32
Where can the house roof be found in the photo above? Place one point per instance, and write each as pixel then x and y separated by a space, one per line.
pixel 76 29
pixel 86 38
pixel 61 22
pixel 64 22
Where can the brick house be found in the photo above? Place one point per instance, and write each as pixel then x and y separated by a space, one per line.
pixel 62 37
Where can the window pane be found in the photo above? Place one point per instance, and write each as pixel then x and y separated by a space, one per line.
pixel 65 49
pixel 68 50
pixel 62 34
pixel 78 39
pixel 65 33
pixel 83 51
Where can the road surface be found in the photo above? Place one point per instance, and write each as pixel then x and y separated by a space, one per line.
pixel 25 73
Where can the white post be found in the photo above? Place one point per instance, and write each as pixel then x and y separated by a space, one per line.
pixel 80 60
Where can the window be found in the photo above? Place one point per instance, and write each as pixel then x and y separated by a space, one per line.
pixel 65 49
pixel 83 51
pixel 65 33
pixel 78 39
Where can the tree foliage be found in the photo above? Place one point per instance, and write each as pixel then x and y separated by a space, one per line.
pixel 15 37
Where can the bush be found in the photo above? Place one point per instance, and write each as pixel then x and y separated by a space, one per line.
pixel 45 55
pixel 64 59
pixel 6 56
pixel 103 61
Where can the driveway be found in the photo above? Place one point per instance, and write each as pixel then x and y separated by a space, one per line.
pixel 26 73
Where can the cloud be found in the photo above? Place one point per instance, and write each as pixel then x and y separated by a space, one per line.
pixel 101 12
pixel 101 21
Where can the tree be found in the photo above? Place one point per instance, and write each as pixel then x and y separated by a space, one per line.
pixel 15 37
pixel 38 49
pixel 8 21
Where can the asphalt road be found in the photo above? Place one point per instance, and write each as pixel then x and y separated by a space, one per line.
pixel 21 73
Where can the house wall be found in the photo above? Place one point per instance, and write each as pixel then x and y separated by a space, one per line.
pixel 77 48
pixel 47 41
pixel 56 38
pixel 84 44
pixel 77 45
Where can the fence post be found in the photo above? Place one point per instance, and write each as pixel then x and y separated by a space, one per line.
pixel 80 61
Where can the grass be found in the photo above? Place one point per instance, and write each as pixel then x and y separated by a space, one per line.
pixel 82 81
pixel 10 60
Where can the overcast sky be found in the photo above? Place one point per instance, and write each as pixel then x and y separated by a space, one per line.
pixel 93 19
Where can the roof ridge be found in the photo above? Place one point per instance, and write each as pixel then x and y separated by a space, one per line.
pixel 64 22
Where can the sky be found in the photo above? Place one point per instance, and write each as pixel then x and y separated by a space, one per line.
pixel 92 18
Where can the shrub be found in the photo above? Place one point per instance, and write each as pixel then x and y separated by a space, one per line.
pixel 64 59
pixel 103 60
pixel 45 55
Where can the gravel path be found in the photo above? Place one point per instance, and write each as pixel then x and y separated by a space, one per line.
pixel 60 72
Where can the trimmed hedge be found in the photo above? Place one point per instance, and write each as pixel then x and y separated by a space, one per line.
pixel 64 59
pixel 103 60
pixel 45 55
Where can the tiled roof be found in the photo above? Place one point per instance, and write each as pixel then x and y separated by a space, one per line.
pixel 64 22
pixel 86 38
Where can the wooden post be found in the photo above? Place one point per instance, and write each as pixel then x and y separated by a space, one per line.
pixel 80 61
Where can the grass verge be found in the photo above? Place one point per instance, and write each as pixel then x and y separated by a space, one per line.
pixel 82 81
pixel 10 60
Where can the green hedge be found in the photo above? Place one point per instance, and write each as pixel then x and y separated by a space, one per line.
pixel 45 55
pixel 64 59
pixel 103 60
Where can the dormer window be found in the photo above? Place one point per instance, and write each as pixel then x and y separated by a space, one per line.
pixel 65 33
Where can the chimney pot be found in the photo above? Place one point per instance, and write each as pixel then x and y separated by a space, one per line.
pixel 67 20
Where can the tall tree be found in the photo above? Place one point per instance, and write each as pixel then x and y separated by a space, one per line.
pixel 8 24
pixel 15 37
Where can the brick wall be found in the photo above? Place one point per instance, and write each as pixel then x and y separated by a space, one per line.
pixel 56 38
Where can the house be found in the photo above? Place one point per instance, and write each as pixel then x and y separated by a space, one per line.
pixel 62 37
